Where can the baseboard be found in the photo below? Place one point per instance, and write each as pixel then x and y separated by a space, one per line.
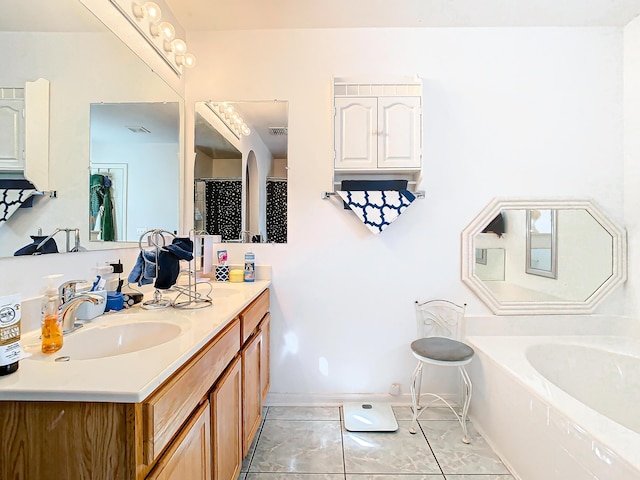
pixel 275 399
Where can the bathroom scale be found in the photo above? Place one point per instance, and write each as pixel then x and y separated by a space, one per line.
pixel 369 417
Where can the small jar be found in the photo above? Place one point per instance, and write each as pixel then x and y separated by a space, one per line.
pixel 236 276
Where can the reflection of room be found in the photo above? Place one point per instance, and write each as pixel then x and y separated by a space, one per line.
pixel 584 258
pixel 103 70
pixel 241 174
pixel 134 147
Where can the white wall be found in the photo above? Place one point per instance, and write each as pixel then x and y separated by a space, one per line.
pixel 507 112
pixel 632 160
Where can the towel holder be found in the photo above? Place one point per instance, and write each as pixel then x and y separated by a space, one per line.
pixel 324 195
pixel 156 240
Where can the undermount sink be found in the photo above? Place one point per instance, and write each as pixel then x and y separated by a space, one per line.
pixel 111 340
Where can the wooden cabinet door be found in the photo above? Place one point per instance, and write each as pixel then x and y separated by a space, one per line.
pixel 189 455
pixel 251 399
pixel 356 133
pixel 399 124
pixel 265 365
pixel 226 424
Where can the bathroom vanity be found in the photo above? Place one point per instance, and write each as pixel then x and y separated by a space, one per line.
pixel 186 408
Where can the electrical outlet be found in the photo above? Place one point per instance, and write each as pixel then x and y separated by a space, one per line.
pixel 394 389
pixel 140 231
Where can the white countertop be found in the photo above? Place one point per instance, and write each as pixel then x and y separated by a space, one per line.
pixel 129 377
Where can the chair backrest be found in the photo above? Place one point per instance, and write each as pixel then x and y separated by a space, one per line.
pixel 440 318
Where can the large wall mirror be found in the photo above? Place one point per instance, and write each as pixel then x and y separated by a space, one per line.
pixel 109 114
pixel 241 170
pixel 543 257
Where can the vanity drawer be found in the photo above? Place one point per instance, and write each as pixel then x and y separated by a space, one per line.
pixel 251 316
pixel 166 410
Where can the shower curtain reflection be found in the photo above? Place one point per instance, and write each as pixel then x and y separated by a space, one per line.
pixel 222 212
pixel 277 210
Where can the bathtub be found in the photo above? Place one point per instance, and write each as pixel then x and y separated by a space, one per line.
pixel 559 408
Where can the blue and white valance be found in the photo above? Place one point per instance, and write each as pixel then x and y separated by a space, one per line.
pixel 377 209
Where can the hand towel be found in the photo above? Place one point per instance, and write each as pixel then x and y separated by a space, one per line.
pixel 169 261
pixel 144 271
pixel 49 246
pixel 377 209
pixel 370 185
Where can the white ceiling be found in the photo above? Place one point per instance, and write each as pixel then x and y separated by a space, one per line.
pixel 109 122
pixel 260 14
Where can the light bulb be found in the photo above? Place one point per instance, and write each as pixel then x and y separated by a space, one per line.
pixel 153 11
pixel 178 47
pixel 187 60
pixel 246 131
pixel 164 29
pixel 147 9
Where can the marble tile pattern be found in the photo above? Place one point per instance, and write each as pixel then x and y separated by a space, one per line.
pixel 311 443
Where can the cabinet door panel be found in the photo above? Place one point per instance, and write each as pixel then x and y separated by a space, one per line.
pixel 189 456
pixel 399 123
pixel 226 424
pixel 356 126
pixel 251 401
pixel 265 340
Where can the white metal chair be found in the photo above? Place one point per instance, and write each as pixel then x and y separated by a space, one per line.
pixel 438 343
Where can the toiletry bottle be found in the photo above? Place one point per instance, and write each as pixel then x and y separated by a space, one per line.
pixel 51 321
pixel 10 351
pixel 249 267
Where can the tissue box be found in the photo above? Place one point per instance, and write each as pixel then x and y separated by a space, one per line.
pixel 222 273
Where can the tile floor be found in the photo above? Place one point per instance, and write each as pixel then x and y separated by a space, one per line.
pixel 310 443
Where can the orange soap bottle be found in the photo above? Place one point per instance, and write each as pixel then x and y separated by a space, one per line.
pixel 51 321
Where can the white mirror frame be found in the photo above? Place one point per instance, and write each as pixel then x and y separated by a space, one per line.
pixel 619 258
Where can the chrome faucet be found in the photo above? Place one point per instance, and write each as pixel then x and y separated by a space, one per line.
pixel 70 300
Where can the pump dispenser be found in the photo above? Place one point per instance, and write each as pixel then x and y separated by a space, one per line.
pixel 51 321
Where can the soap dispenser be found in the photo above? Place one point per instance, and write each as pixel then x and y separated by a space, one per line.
pixel 51 321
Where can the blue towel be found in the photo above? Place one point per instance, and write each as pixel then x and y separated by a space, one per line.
pixel 169 261
pixel 49 246
pixel 144 271
pixel 19 184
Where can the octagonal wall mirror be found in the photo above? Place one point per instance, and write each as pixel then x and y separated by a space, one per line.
pixel 531 256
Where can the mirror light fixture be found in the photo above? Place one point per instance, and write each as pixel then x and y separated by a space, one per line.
pixel 232 119
pixel 146 17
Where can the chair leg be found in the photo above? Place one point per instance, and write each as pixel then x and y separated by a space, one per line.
pixel 467 391
pixel 415 396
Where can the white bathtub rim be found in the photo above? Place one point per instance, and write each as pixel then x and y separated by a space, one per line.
pixel 509 353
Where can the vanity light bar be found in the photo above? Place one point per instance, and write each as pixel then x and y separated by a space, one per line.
pixel 160 35
pixel 232 119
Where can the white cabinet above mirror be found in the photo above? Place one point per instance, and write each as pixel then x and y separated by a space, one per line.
pixel 530 256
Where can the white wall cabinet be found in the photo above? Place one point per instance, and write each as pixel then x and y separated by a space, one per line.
pixel 12 134
pixel 378 133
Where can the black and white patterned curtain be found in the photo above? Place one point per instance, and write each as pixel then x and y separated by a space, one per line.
pixel 276 211
pixel 224 208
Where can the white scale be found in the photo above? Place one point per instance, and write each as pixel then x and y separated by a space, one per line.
pixel 369 417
